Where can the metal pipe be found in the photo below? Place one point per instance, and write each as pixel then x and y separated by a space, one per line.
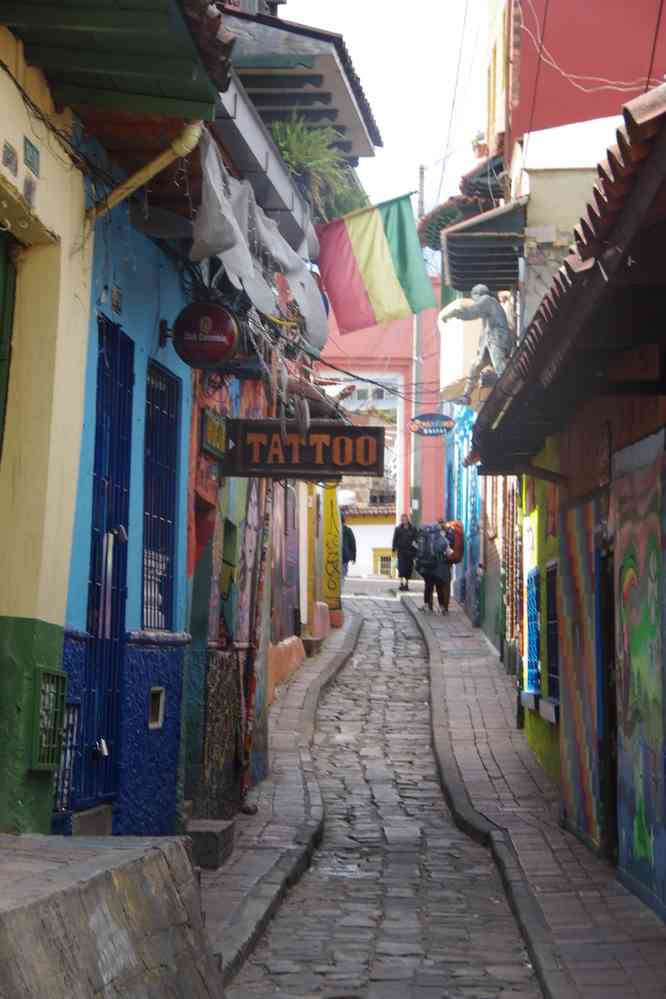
pixel 181 146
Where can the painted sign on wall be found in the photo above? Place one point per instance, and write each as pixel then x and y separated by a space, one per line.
pixel 263 448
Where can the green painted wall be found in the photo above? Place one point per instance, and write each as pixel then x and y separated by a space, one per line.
pixel 544 740
pixel 26 796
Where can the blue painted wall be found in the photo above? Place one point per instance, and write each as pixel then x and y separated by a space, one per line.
pixel 148 759
pixel 467 508
pixel 151 290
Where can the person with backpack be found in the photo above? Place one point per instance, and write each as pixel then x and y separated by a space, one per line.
pixel 404 545
pixel 433 561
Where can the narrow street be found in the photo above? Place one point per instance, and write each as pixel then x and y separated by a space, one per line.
pixel 398 902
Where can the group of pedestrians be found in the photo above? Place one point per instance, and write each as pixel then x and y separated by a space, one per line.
pixel 431 549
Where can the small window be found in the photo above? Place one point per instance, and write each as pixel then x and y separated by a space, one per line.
pixel 378 393
pixel 385 565
pixel 552 636
pixel 156 707
pixel 362 394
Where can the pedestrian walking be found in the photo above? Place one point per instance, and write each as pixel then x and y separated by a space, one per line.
pixel 404 546
pixel 348 546
pixel 433 561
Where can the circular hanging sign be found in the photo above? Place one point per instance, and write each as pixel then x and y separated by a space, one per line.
pixel 432 424
pixel 205 335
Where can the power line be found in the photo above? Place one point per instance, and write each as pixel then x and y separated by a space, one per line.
pixel 542 31
pixel 453 101
pixel 654 43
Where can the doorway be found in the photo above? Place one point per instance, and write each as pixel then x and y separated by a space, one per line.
pixel 95 780
pixel 607 708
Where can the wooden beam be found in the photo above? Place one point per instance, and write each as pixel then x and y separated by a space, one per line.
pixel 90 18
pixel 114 63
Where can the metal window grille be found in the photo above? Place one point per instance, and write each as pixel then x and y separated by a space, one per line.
pixel 159 505
pixel 533 635
pixel 384 565
pixel 48 718
pixel 552 636
pixel 64 775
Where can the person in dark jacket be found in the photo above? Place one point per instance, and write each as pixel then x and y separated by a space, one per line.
pixel 348 546
pixel 404 545
pixel 437 575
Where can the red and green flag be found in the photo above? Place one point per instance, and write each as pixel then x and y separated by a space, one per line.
pixel 372 266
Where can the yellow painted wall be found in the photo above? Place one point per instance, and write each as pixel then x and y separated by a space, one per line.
pixel 39 465
pixel 540 549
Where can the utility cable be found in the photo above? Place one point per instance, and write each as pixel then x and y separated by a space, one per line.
pixel 453 101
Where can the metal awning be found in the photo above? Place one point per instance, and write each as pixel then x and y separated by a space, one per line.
pixel 485 249
pixel 137 56
pixel 292 69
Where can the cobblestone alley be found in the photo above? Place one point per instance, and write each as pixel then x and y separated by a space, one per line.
pixel 398 902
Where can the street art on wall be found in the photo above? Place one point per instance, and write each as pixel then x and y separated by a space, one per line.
pixel 578 670
pixel 636 514
pixel 284 564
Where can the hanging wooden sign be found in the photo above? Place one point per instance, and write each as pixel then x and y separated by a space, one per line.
pixel 327 450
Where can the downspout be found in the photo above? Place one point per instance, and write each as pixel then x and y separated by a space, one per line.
pixel 181 146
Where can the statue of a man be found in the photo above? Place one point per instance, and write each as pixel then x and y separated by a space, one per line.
pixel 496 341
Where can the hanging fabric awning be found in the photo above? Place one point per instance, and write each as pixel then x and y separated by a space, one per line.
pixel 230 225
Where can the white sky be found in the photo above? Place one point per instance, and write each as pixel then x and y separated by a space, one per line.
pixel 406 55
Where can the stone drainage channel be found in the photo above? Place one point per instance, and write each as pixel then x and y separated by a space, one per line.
pixel 398 901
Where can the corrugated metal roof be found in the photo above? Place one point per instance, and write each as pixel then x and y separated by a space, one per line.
pixel 138 57
pixel 631 170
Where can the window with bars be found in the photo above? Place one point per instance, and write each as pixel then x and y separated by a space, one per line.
pixel 159 503
pixel 533 631
pixel 552 635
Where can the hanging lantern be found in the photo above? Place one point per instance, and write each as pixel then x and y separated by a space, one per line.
pixel 206 335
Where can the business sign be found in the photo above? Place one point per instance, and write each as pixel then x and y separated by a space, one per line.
pixel 213 433
pixel 431 424
pixel 205 335
pixel 327 450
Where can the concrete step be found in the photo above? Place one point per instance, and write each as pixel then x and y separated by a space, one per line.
pixel 212 841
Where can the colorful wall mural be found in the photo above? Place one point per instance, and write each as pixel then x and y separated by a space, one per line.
pixel 636 517
pixel 579 722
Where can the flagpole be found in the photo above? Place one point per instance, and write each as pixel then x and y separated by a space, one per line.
pixel 416 491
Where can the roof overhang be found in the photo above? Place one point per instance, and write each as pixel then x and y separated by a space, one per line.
pixel 138 57
pixel 485 249
pixel 244 136
pixel 291 69
pixel 600 328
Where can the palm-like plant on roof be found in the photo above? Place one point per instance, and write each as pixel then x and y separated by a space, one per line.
pixel 319 168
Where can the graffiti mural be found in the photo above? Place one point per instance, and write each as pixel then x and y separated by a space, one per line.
pixel 284 564
pixel 636 504
pixel 580 780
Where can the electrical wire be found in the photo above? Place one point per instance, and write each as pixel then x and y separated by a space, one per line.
pixel 602 83
pixel 654 43
pixel 542 31
pixel 453 101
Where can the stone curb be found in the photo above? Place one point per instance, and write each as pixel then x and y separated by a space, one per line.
pixel 554 981
pixel 262 902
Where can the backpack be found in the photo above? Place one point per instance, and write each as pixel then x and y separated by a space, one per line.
pixel 428 545
pixel 457 540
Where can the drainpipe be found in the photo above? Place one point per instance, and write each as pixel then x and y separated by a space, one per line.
pixel 181 146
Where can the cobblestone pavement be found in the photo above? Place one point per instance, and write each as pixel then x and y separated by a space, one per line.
pixel 398 902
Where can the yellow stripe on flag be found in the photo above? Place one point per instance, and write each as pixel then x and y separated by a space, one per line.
pixel 373 257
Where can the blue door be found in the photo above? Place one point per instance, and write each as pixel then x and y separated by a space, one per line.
pixel 95 773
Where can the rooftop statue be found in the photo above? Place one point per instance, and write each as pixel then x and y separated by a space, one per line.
pixel 496 341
